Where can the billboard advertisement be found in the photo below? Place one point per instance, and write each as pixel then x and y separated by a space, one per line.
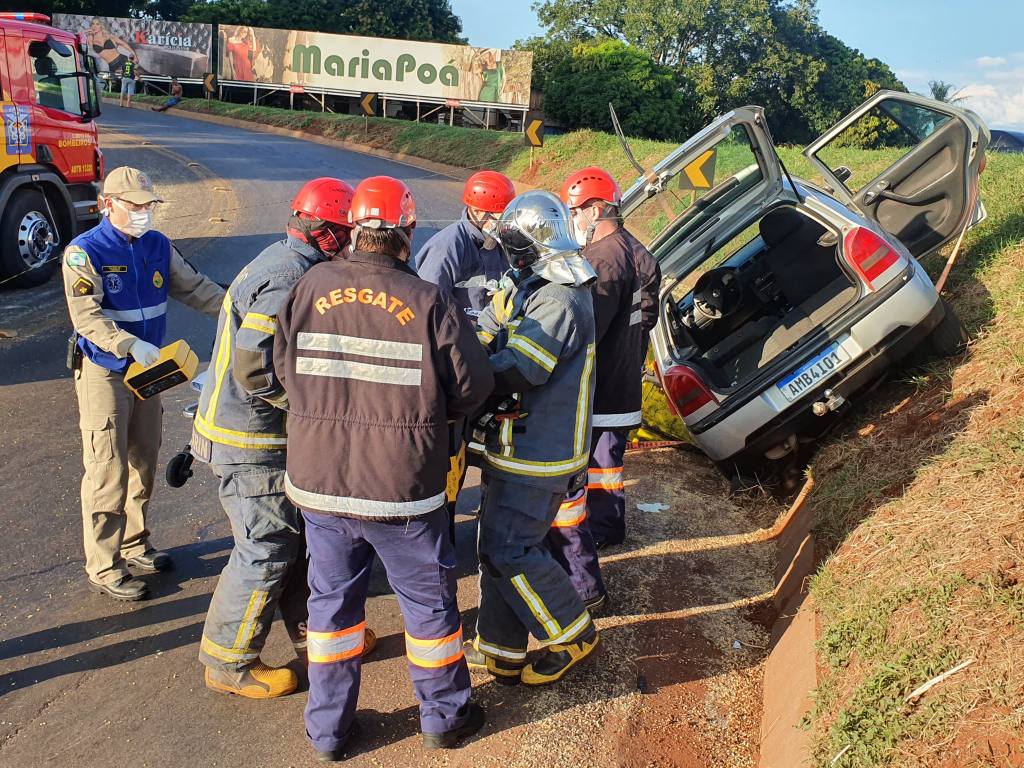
pixel 349 63
pixel 162 48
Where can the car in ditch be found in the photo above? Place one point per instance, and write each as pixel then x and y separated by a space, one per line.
pixel 783 298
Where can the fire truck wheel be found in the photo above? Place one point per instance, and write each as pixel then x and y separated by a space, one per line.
pixel 30 243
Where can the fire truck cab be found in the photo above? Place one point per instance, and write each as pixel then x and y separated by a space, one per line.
pixel 51 161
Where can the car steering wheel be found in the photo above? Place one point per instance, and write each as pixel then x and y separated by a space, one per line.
pixel 718 293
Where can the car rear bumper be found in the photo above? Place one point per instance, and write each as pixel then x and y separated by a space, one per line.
pixel 878 341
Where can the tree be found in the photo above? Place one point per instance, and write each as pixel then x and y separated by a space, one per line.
pixel 728 53
pixel 646 95
pixel 430 20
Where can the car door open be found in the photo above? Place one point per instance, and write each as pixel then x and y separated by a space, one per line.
pixel 934 152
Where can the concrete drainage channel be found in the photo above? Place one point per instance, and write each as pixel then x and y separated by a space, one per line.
pixel 790 671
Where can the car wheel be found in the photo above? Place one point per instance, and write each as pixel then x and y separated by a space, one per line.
pixel 30 241
pixel 949 337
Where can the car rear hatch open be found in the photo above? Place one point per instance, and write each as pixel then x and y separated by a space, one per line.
pixel 703 189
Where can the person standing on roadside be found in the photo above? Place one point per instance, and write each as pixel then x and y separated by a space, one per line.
pixel 627 277
pixel 117 278
pixel 375 362
pixel 129 73
pixel 464 260
pixel 239 429
pixel 540 330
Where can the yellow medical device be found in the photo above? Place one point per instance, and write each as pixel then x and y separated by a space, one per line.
pixel 177 364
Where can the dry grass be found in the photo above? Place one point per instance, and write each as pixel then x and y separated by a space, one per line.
pixel 924 497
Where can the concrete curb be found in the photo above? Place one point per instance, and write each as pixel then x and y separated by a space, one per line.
pixel 791 671
pixel 451 171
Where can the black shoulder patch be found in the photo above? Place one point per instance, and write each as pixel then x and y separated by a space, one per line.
pixel 83 287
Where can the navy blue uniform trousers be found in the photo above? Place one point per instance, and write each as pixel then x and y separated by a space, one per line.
pixel 419 558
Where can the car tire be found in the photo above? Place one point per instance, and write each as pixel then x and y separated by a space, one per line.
pixel 949 337
pixel 30 241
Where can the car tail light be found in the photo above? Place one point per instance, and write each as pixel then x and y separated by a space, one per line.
pixel 686 390
pixel 99 164
pixel 869 254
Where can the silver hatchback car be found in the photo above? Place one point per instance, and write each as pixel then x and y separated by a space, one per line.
pixel 782 297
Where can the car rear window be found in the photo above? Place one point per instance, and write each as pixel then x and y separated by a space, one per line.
pixel 692 194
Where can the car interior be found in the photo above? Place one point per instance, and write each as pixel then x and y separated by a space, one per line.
pixel 762 300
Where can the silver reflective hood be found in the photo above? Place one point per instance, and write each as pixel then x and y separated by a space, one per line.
pixel 534 232
pixel 566 269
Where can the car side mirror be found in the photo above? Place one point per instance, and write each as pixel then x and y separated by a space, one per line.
pixel 842 173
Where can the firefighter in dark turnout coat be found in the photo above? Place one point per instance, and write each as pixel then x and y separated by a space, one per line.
pixel 627 275
pixel 375 363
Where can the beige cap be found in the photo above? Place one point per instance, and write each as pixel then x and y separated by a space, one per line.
pixel 130 184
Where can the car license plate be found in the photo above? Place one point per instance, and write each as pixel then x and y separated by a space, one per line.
pixel 813 373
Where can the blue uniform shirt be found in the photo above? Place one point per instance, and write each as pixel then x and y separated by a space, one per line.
pixel 453 259
pixel 135 283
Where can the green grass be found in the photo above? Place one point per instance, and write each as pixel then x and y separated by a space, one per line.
pixel 920 500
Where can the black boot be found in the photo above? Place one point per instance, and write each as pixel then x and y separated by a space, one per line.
pixel 126 588
pixel 345 751
pixel 475 720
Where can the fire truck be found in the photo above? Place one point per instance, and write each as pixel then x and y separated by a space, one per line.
pixel 51 163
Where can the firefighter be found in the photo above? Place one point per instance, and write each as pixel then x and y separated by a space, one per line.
pixel 240 430
pixel 540 327
pixel 117 277
pixel 375 361
pixel 463 258
pixel 625 310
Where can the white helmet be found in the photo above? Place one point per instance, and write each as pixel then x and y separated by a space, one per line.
pixel 534 233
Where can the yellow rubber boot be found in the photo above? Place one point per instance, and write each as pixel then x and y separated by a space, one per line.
pixel 505 672
pixel 559 659
pixel 256 682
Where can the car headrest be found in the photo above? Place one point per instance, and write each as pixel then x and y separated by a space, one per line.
pixel 779 224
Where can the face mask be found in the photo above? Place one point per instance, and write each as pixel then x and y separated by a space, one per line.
pixel 139 222
pixel 328 241
pixel 584 235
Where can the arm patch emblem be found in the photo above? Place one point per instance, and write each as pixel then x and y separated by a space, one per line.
pixel 83 287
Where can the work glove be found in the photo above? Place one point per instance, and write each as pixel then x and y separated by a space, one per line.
pixel 144 353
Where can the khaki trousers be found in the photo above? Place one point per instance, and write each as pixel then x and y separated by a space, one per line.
pixel 120 443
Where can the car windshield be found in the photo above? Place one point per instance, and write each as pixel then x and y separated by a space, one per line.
pixel 692 192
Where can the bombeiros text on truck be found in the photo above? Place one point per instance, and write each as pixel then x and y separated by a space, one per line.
pixel 51 163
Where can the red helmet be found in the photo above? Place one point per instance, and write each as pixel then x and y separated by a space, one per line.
pixel 326 199
pixel 591 183
pixel 489 191
pixel 382 202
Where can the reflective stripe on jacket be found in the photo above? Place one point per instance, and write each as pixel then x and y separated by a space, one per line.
pixel 241 417
pixel 375 362
pixel 544 331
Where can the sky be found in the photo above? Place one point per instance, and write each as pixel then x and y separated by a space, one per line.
pixel 977 45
